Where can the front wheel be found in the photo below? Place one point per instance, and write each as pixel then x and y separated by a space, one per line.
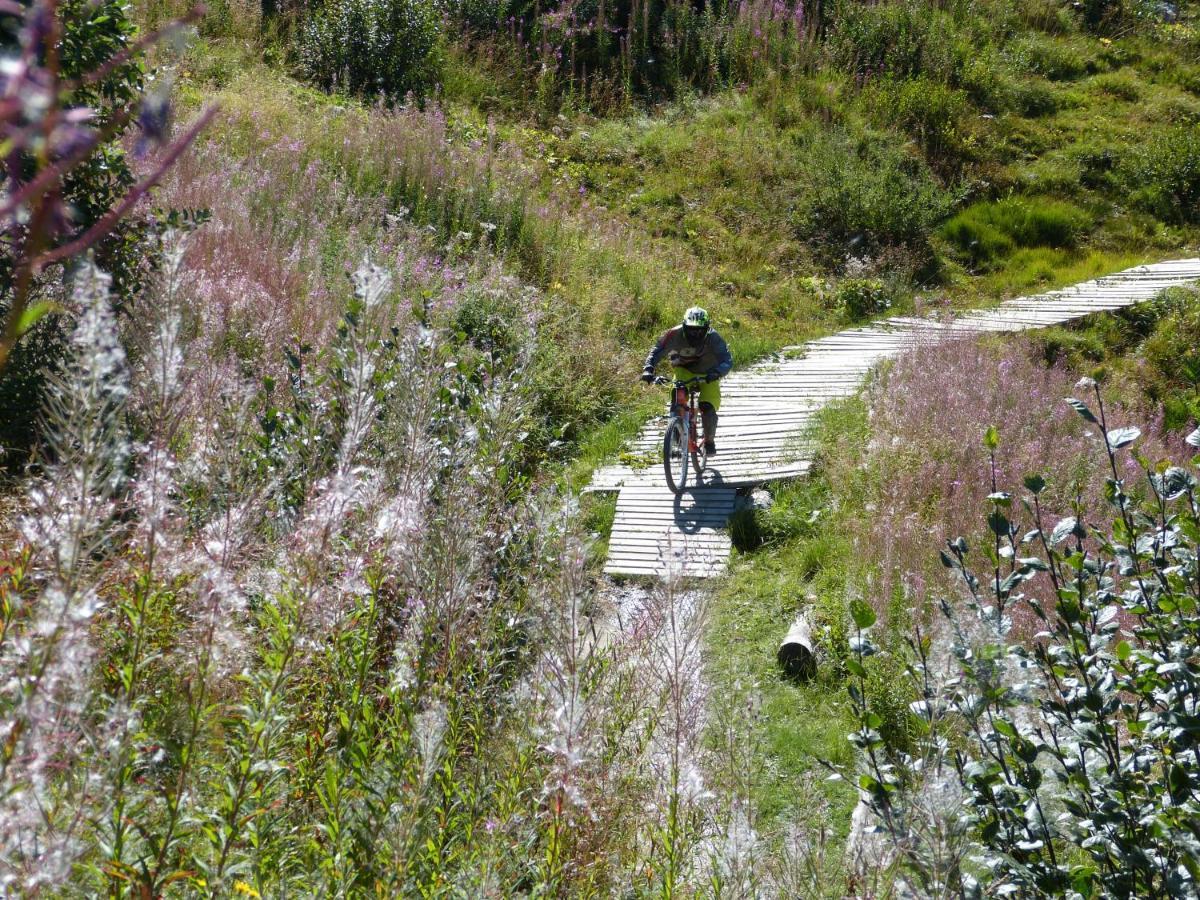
pixel 699 460
pixel 675 454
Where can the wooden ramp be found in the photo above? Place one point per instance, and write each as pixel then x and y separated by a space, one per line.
pixel 765 411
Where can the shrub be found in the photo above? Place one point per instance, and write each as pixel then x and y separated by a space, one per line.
pixel 1071 770
pixel 988 232
pixel 1096 166
pixel 990 83
pixel 1034 98
pixel 933 114
pixel 480 15
pixel 902 39
pixel 372 47
pixel 866 197
pixel 1165 176
pixel 1171 351
pixel 861 298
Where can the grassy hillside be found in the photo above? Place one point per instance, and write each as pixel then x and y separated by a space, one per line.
pixel 907 158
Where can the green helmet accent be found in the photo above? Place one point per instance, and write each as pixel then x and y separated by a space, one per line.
pixel 696 317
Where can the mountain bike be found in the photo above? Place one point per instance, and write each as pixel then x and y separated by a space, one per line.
pixel 681 440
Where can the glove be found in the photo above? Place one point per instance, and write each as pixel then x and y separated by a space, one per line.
pixel 647 375
pixel 711 375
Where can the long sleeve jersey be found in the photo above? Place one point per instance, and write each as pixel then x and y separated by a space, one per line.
pixel 712 355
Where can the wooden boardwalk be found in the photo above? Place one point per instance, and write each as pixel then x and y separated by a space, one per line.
pixel 766 409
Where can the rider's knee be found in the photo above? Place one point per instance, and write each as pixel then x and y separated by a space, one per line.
pixel 705 406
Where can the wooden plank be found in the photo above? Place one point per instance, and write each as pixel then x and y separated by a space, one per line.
pixel 667 512
pixel 648 533
pixel 692 550
pixel 710 561
pixel 632 532
pixel 656 545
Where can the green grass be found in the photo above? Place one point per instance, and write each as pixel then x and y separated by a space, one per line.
pixel 793 558
pixel 989 233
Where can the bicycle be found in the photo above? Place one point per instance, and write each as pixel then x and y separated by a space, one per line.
pixel 681 440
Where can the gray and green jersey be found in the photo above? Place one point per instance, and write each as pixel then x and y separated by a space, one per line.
pixel 710 356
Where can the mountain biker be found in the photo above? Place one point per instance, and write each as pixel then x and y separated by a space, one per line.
pixel 694 349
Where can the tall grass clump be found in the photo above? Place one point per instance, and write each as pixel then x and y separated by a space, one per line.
pixel 988 233
pixel 372 47
pixel 1071 769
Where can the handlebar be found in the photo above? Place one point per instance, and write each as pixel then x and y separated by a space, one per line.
pixel 663 379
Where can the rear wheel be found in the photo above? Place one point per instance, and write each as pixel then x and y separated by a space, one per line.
pixel 675 454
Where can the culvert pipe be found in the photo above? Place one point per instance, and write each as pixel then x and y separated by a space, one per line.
pixel 795 655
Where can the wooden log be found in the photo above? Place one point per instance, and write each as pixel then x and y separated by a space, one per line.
pixel 795 655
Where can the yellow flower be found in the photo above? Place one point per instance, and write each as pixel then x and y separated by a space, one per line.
pixel 240 887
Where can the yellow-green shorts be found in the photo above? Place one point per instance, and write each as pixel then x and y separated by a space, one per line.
pixel 710 391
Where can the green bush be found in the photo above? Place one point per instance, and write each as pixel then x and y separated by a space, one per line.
pixel 1096 166
pixel 1070 755
pixel 991 231
pixel 1033 97
pixel 479 15
pixel 1172 356
pixel 372 47
pixel 1050 58
pixel 934 115
pixel 1165 176
pixel 989 80
pixel 862 298
pixel 862 198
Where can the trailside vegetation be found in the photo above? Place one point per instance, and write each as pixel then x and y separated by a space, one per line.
pixel 1067 756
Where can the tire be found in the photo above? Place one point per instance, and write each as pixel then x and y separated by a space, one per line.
pixel 676 467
